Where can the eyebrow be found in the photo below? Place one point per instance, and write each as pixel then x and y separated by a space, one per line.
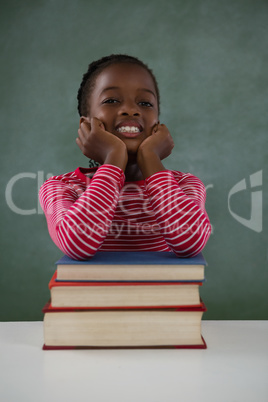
pixel 139 89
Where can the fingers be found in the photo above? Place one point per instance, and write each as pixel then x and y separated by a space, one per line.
pixel 81 140
pixel 155 128
pixel 83 132
pixel 81 135
pixel 159 127
pixel 84 121
pixel 86 128
pixel 91 138
pixel 79 143
pixel 96 124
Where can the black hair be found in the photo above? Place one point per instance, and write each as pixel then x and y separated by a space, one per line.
pixel 96 67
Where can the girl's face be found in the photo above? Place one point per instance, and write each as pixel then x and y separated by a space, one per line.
pixel 125 100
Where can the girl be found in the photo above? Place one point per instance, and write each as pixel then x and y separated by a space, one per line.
pixel 130 202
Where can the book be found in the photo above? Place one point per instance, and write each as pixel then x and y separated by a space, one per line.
pixel 132 266
pixel 126 300
pixel 123 294
pixel 167 328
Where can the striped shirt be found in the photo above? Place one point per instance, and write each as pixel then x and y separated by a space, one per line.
pixel 89 210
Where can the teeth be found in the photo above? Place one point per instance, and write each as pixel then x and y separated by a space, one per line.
pixel 127 129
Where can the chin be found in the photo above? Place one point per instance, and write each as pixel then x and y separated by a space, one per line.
pixel 132 145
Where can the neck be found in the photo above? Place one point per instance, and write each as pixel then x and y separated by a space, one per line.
pixel 133 172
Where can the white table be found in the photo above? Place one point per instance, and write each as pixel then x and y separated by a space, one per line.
pixel 233 368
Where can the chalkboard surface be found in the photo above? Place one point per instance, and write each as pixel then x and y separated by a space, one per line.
pixel 210 59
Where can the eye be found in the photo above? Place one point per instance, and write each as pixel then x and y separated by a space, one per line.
pixel 146 104
pixel 110 101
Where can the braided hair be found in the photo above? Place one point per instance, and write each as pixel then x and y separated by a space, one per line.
pixel 89 78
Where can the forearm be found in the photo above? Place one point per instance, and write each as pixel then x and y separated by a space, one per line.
pixel 182 218
pixel 117 158
pixel 153 150
pixel 149 163
pixel 79 224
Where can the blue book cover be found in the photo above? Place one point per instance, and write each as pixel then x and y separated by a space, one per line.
pixel 135 258
pixel 116 266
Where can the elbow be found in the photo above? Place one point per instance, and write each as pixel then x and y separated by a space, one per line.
pixel 192 241
pixel 75 253
pixel 76 247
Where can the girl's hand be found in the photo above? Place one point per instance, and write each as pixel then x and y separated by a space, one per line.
pixel 159 143
pixel 153 149
pixel 100 145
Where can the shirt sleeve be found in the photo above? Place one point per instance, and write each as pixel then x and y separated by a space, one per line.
pixel 179 207
pixel 78 221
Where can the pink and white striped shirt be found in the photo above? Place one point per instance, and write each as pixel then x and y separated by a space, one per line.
pixel 89 210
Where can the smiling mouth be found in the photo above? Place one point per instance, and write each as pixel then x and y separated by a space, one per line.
pixel 128 129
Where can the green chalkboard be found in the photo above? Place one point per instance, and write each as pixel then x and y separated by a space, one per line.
pixel 210 59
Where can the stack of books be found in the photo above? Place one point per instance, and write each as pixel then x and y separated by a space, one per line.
pixel 126 300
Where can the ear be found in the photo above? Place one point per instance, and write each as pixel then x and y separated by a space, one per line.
pixel 83 119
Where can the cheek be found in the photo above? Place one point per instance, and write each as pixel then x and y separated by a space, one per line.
pixel 153 118
pixel 152 122
pixel 97 113
pixel 104 118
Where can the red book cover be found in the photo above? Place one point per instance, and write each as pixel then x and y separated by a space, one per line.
pixel 54 284
pixel 201 346
pixel 48 308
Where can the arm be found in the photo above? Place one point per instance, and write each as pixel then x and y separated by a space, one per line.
pixel 78 222
pixel 178 203
pixel 100 145
pixel 153 150
pixel 179 207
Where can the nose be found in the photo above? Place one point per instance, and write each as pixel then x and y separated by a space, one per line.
pixel 129 108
